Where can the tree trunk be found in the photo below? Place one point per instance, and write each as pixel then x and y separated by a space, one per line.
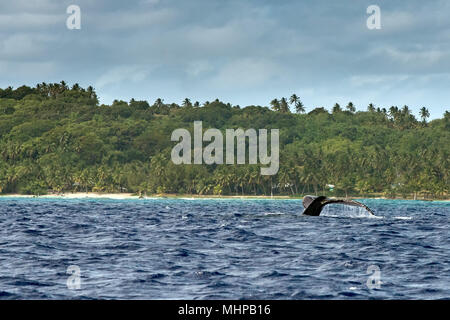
pixel 271 187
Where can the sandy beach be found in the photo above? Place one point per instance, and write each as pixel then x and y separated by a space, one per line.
pixel 133 196
pixel 79 195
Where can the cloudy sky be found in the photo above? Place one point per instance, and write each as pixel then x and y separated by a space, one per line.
pixel 240 51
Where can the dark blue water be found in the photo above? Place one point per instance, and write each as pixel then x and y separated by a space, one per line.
pixel 222 249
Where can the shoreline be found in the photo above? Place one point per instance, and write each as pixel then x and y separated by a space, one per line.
pixel 133 196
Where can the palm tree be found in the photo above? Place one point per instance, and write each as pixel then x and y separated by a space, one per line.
pixel 283 178
pixel 159 103
pixel 43 88
pixel 350 107
pixel 92 94
pixel 447 119
pixel 371 107
pixel 337 108
pixel 196 104
pixel 275 105
pixel 90 90
pixel 252 178
pixel 63 85
pixel 424 114
pixel 186 103
pixel 299 108
pixel 284 106
pixel 294 99
pixel 393 112
pixel 405 110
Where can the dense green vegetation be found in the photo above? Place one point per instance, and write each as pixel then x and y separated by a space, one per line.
pixel 55 139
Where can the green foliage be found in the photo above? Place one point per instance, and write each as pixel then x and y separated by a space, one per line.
pixel 54 139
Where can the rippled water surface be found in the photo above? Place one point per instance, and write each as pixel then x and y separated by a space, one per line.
pixel 222 249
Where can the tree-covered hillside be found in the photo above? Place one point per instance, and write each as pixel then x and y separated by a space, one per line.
pixel 57 139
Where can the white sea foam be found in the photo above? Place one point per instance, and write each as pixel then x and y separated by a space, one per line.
pixel 277 213
pixel 345 211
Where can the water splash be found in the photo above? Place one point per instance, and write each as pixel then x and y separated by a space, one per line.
pixel 342 210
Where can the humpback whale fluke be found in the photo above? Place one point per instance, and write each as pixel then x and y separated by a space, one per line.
pixel 314 205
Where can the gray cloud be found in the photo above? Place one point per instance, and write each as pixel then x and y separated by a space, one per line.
pixel 242 51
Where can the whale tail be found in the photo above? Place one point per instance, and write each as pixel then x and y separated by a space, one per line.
pixel 314 205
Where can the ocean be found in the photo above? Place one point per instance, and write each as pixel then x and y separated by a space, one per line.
pixel 222 249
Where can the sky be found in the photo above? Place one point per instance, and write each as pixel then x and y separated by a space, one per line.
pixel 246 52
